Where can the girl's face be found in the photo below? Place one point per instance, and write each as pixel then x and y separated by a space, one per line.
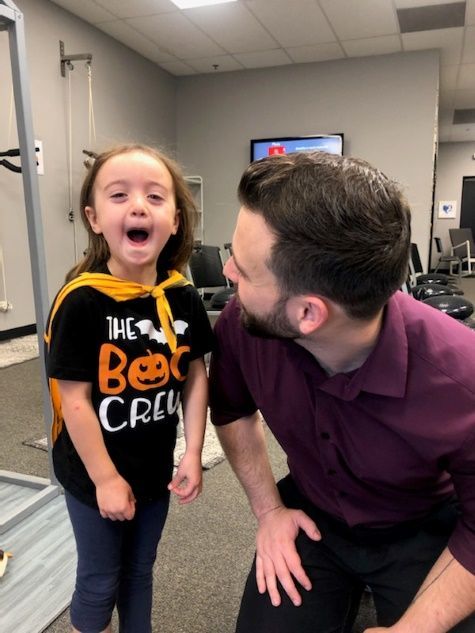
pixel 134 209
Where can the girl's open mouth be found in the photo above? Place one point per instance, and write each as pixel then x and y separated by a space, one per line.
pixel 137 235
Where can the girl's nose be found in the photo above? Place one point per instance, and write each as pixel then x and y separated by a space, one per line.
pixel 138 205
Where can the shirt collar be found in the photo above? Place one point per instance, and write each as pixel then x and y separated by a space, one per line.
pixel 384 372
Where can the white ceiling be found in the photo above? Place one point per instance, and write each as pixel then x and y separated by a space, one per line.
pixel 261 33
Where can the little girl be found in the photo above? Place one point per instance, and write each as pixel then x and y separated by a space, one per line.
pixel 125 341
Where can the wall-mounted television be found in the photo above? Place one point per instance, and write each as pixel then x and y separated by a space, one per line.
pixel 262 147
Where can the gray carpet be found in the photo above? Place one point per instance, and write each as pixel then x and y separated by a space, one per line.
pixel 207 547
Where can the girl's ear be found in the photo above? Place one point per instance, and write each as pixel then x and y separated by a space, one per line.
pixel 92 218
pixel 176 223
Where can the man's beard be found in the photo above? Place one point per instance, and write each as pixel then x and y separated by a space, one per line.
pixel 275 324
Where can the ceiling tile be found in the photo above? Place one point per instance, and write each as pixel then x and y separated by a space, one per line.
pixel 447 100
pixel 317 53
pixel 470 13
pixel 446 115
pixel 86 9
pixel 462 133
pixel 448 41
pixel 233 27
pixel 464 99
pixel 444 133
pixel 466 78
pixel 448 77
pixel 262 59
pixel 373 46
pixel 178 68
pixel 174 33
pixel 136 8
pixel 224 63
pixel 364 18
pixel 468 51
pixel 124 33
pixel 264 33
pixel 296 23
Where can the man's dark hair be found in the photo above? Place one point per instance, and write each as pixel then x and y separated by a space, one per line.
pixel 342 227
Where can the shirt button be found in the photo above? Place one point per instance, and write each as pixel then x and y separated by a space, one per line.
pixel 325 435
pixel 342 494
pixel 331 471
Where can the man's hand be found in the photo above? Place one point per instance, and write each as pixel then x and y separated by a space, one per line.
pixel 276 555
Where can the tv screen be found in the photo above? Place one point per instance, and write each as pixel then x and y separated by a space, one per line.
pixel 331 143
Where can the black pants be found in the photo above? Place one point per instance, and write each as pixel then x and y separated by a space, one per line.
pixel 393 563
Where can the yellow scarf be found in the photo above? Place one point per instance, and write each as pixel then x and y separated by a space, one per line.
pixel 120 290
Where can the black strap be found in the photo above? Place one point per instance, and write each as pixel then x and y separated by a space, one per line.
pixel 10 166
pixel 10 152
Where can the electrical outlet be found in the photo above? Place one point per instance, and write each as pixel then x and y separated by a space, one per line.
pixel 40 165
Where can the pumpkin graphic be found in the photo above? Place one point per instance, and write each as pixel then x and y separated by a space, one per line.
pixel 147 372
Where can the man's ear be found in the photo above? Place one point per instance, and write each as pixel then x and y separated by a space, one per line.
pixel 311 313
pixel 92 217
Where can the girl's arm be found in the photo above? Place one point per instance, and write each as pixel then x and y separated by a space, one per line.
pixel 187 482
pixel 114 495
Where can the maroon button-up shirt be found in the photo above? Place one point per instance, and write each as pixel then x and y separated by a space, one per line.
pixel 379 445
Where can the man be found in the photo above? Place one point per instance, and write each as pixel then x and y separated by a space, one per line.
pixel 369 392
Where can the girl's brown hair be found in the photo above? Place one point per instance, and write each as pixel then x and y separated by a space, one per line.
pixel 176 252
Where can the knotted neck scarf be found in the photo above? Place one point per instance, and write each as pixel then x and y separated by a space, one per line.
pixel 120 290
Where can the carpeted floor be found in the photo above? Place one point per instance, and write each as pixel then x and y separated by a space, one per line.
pixel 18 350
pixel 207 547
pixel 212 453
pixel 22 349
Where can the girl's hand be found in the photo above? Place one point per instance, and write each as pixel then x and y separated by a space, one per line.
pixel 115 499
pixel 187 482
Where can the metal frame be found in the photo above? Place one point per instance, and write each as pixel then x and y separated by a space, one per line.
pixel 468 257
pixel 451 260
pixel 66 59
pixel 11 19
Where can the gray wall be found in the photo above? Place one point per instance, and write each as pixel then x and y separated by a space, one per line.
pixel 454 161
pixel 385 106
pixel 133 101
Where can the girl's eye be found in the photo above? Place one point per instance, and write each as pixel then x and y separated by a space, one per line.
pixel 118 195
pixel 155 196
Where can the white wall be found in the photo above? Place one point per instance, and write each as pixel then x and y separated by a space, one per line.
pixel 385 106
pixel 454 161
pixel 133 101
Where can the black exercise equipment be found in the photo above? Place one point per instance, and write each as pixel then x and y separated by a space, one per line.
pixel 453 305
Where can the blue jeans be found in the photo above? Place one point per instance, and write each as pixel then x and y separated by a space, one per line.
pixel 115 563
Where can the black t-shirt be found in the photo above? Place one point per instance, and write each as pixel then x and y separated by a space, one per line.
pixel 119 347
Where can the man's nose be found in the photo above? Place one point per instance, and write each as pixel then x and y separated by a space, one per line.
pixel 229 270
